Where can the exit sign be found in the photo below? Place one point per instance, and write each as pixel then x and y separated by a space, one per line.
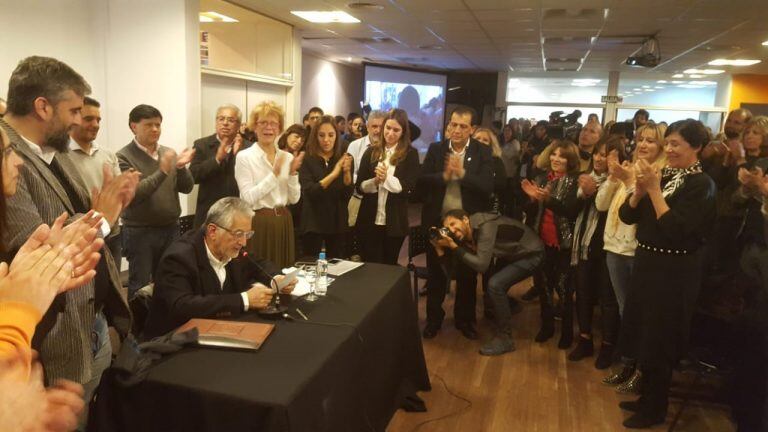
pixel 611 99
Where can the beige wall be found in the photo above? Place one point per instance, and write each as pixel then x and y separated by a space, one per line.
pixel 334 87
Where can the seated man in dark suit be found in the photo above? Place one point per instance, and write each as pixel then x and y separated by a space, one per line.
pixel 204 275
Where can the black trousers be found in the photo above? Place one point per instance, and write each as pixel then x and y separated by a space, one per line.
pixel 377 247
pixel 556 277
pixel 313 243
pixel 593 285
pixel 437 286
pixel 654 389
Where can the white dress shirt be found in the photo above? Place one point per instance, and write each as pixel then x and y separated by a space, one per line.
pixel 220 268
pixel 46 155
pixel 356 149
pixel 154 155
pixel 257 182
pixel 391 185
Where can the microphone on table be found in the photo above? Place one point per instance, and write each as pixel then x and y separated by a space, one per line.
pixel 274 308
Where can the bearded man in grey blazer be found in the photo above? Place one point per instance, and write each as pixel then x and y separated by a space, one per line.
pixel 45 97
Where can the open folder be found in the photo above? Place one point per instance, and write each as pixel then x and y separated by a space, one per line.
pixel 229 334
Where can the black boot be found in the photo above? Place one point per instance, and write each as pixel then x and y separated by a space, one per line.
pixel 604 357
pixel 547 329
pixel 584 348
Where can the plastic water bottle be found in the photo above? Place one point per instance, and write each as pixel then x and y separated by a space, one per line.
pixel 321 277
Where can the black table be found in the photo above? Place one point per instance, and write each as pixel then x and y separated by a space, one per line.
pixel 349 374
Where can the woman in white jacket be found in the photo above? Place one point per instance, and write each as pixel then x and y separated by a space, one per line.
pixel 619 238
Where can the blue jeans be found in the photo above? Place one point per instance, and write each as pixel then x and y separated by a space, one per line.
pixel 499 284
pixel 620 271
pixel 102 358
pixel 143 247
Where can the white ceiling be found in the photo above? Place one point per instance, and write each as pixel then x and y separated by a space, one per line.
pixel 493 35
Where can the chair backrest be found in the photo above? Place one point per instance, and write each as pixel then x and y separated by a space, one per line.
pixel 186 223
pixel 418 241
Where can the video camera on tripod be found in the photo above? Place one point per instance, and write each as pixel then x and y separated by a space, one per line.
pixel 563 125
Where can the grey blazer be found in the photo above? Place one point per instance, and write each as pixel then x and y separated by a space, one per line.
pixel 65 340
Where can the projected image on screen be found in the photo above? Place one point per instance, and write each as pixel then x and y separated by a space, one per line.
pixel 420 94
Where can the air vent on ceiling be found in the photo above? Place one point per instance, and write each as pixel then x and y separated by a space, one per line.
pixel 568 64
pixel 430 47
pixel 413 59
pixel 570 14
pixel 374 40
pixel 365 6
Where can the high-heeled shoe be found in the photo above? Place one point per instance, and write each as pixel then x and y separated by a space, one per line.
pixel 632 385
pixel 620 376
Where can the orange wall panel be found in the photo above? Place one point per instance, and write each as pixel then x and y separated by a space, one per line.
pixel 748 88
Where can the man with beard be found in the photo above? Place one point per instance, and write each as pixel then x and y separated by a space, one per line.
pixel 45 99
pixel 89 159
pixel 720 159
pixel 151 222
pixel 213 165
pixel 359 146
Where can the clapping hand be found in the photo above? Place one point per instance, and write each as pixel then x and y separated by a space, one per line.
pixel 535 192
pixel 115 194
pixel 79 239
pixel 238 144
pixel 647 178
pixel 225 148
pixel 587 184
pixel 347 163
pixel 751 179
pixel 185 157
pixel 380 174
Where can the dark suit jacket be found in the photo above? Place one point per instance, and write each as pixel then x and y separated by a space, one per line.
pixel 186 286
pixel 396 208
pixel 216 180
pixel 476 186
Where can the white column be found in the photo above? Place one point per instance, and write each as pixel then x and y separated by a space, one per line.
pixel 613 90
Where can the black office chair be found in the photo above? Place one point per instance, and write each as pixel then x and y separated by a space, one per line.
pixel 418 242
pixel 186 223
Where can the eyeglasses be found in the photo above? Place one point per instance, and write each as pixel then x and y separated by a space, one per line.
pixel 238 233
pixel 222 119
pixel 265 123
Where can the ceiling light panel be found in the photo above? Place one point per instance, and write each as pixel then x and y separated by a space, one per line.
pixel 324 17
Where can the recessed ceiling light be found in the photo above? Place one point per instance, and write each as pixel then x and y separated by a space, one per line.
pixel 209 17
pixel 705 82
pixel 678 76
pixel 690 86
pixel 704 71
pixel 646 87
pixel 326 16
pixel 765 43
pixel 662 81
pixel 586 80
pixel 649 89
pixel 659 87
pixel 678 82
pixel 695 76
pixel 733 62
pixel 636 89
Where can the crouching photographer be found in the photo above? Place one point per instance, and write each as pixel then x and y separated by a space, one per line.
pixel 476 241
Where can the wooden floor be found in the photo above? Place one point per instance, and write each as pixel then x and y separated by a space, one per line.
pixel 532 389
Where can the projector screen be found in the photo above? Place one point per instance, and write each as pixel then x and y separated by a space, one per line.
pixel 420 94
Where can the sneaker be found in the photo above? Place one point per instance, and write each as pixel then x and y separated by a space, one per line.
pixel 498 346
pixel 584 348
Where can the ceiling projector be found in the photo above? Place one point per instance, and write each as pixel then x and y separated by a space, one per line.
pixel 647 56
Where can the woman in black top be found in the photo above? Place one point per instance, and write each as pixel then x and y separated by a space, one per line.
pixel 557 205
pixel 387 174
pixel 673 210
pixel 326 185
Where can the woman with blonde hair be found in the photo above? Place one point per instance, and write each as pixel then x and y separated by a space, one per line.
pixel 619 238
pixel 499 198
pixel 268 180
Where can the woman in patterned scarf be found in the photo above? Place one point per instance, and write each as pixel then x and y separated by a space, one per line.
pixel 588 258
pixel 673 209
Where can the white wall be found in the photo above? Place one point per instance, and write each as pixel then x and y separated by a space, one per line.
pixel 334 87
pixel 130 51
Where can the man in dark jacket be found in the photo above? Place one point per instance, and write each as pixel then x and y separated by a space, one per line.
pixel 479 239
pixel 213 166
pixel 457 174
pixel 204 275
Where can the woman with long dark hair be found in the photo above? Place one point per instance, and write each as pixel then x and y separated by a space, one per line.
pixel 326 185
pixel 673 210
pixel 555 194
pixel 388 172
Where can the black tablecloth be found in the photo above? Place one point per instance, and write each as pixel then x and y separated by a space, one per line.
pixel 306 377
